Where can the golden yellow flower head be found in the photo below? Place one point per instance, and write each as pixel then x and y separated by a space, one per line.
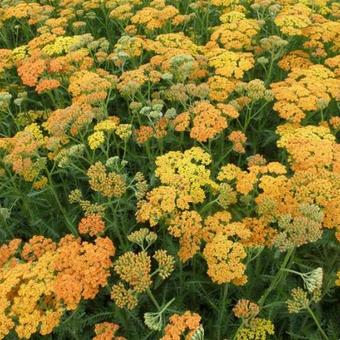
pixel 96 140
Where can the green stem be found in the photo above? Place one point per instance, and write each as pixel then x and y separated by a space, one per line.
pixel 238 329
pixel 167 305
pixel 277 277
pixel 317 323
pixel 221 310
pixel 70 225
pixel 292 271
pixel 153 299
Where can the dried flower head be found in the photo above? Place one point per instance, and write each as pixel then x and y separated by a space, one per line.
pixel 246 309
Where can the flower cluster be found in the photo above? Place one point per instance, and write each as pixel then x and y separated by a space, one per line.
pixel 135 270
pixel 305 90
pixel 107 330
pixel 197 140
pixel 186 324
pixel 47 279
pixel 109 184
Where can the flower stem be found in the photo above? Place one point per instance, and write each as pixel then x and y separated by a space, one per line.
pixel 70 225
pixel 317 323
pixel 276 280
pixel 221 310
pixel 153 299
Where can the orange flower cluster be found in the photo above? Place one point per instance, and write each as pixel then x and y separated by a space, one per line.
pixel 90 87
pixel 295 59
pixel 45 85
pixel 311 148
pixel 156 17
pixel 82 269
pixel 71 120
pixel 238 138
pixel 36 247
pixel 207 122
pixel 7 251
pixel 158 130
pixel 24 289
pixel 187 226
pixel 91 224
pixel 246 309
pixel 31 69
pixel 186 324
pixel 34 13
pixel 107 331
pixel 305 90
pixel 224 256
pixel 262 234
pixel 49 278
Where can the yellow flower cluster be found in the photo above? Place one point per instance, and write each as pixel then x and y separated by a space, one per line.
pixel 293 19
pixel 337 281
pixel 61 45
pixel 109 184
pixel 258 328
pixel 229 64
pixel 236 31
pixel 96 140
pixel 159 202
pixel 134 270
pixel 186 171
pixel 183 175
pixel 23 152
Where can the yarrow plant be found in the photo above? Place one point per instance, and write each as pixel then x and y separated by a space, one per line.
pixel 169 169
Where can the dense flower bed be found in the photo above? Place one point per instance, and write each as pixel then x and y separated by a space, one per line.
pixel 169 169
